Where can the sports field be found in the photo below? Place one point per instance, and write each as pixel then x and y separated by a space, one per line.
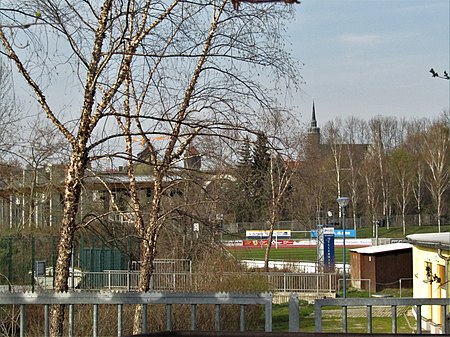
pixel 286 254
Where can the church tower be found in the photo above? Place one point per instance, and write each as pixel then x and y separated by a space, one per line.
pixel 313 141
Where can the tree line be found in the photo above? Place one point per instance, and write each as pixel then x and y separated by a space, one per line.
pixel 389 167
pixel 141 82
pixel 112 76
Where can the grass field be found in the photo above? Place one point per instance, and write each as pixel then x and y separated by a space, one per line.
pixel 310 253
pixel 332 321
pixel 285 254
pixel 366 232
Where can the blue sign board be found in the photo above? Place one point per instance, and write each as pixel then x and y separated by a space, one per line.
pixel 349 233
pixel 338 233
pixel 328 252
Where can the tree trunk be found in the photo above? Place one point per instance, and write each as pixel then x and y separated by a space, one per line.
pixel 148 249
pixel 72 193
pixel 269 246
pixel 273 220
pixel 439 211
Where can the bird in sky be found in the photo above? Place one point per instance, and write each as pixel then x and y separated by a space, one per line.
pixel 435 74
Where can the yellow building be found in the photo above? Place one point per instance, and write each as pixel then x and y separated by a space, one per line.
pixel 431 256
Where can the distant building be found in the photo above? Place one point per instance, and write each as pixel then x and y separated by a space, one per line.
pixel 315 149
pixel 34 197
pixel 31 196
pixel 192 159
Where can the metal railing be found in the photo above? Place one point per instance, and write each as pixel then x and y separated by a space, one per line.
pixel 128 280
pixel 318 283
pixel 354 282
pixel 370 303
pixel 193 300
pixel 404 279
pixel 302 283
pixel 119 299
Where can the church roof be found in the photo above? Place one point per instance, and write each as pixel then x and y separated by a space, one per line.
pixel 317 148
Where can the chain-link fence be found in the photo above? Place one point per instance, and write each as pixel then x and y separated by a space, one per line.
pixel 23 256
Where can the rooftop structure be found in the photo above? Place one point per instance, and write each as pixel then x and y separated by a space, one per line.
pixel 431 240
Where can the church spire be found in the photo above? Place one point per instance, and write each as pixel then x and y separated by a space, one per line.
pixel 313 119
pixel 313 126
pixel 313 147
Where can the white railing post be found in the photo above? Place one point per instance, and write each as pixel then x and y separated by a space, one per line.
pixel 193 317
pixel 119 319
pixel 95 321
pixel 22 320
pixel 294 313
pixel 71 321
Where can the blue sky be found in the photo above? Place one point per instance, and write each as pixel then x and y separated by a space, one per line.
pixel 371 57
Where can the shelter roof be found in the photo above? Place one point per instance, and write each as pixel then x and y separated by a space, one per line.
pixel 433 240
pixel 382 248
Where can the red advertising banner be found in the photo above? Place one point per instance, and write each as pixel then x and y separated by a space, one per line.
pixel 254 243
pixel 263 243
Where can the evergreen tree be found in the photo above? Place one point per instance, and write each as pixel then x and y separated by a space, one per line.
pixel 261 166
pixel 245 156
pixel 244 182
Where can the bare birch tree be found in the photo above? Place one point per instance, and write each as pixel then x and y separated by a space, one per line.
pixel 187 66
pixel 384 138
pixel 283 166
pixel 436 153
pixel 415 146
pixel 370 176
pixel 89 43
pixel 9 113
pixel 333 137
pixel 401 166
pixel 209 102
pixel 355 135
pixel 38 147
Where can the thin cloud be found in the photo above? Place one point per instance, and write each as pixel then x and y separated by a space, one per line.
pixel 361 39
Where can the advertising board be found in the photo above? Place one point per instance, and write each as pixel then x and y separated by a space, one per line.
pixel 338 233
pixel 264 234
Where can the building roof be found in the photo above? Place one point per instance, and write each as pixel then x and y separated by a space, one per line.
pixel 117 179
pixel 382 248
pixel 433 240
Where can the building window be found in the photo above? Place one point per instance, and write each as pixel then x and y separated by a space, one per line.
pixel 429 276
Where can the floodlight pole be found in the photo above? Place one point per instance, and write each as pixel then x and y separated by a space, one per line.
pixel 343 203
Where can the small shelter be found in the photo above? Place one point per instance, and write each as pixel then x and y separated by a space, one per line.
pixel 379 267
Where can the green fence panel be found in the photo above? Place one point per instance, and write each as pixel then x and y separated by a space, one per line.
pixel 100 259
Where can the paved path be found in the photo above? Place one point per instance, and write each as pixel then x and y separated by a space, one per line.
pixel 362 312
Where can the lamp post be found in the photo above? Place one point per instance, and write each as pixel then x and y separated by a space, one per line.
pixel 343 203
